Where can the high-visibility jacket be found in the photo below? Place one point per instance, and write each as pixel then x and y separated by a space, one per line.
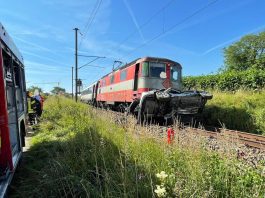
pixel 31 104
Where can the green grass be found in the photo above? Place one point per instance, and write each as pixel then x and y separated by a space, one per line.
pixel 240 110
pixel 81 152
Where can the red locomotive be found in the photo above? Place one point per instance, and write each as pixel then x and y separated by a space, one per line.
pixel 149 87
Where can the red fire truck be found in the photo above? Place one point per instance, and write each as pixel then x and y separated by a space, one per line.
pixel 13 108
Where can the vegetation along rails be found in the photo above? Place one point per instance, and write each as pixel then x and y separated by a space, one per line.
pixel 247 139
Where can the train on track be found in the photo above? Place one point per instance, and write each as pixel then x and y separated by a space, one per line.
pixel 147 87
pixel 13 109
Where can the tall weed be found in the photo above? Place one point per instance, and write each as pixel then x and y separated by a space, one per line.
pixel 81 152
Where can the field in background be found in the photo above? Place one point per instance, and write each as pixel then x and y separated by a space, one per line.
pixel 79 152
pixel 239 110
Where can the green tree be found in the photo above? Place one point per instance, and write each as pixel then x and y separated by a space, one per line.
pixel 58 90
pixel 33 88
pixel 247 53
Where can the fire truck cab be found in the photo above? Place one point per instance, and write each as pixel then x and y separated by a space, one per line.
pixel 13 109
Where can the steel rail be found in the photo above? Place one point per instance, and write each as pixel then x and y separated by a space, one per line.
pixel 248 139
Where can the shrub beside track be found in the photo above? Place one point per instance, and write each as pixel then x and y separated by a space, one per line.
pixel 251 79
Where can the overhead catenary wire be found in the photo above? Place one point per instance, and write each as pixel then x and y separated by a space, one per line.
pixel 88 65
pixel 90 21
pixel 171 28
pixel 98 66
pixel 95 10
pixel 144 24
pixel 95 58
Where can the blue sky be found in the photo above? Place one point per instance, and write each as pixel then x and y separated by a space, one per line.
pixel 43 31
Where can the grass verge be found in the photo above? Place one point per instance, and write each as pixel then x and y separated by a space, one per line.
pixel 80 152
pixel 240 110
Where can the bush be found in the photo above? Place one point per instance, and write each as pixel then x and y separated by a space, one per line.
pixel 227 81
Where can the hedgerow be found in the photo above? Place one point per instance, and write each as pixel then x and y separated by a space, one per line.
pixel 251 79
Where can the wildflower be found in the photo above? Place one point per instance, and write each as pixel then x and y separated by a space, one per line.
pixel 161 192
pixel 102 142
pixel 161 175
pixel 141 176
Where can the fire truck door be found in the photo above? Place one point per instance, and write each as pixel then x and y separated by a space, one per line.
pixel 12 118
pixel 11 105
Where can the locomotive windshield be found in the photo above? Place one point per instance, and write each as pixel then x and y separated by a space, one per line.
pixel 156 69
pixel 174 73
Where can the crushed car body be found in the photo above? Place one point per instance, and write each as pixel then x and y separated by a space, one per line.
pixel 171 103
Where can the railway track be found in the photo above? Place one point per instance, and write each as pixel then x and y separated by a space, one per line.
pixel 248 139
pixel 233 136
pixel 241 145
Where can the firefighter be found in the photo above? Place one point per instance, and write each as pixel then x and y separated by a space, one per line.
pixel 31 108
pixel 39 101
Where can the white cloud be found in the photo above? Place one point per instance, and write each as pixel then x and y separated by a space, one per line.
pixel 134 19
pixel 37 66
pixel 36 46
pixel 43 58
pixel 260 28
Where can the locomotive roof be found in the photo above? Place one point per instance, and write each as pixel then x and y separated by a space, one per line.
pixel 8 41
pixel 138 60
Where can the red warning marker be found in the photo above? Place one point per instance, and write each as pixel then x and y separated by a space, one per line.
pixel 170 135
pixel 167 83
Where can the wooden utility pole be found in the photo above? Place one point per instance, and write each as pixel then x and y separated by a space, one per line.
pixel 76 63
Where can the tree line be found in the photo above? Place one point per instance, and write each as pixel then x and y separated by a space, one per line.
pixel 56 90
pixel 244 67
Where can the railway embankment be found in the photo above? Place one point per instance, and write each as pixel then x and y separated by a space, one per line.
pixel 78 151
pixel 238 110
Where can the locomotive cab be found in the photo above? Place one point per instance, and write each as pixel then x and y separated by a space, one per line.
pixel 160 75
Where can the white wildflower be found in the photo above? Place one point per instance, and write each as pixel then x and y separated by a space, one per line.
pixel 161 192
pixel 161 175
pixel 102 142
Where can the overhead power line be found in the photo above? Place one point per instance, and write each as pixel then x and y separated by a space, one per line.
pixel 88 56
pixel 90 20
pixel 144 24
pixel 171 28
pixel 95 58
